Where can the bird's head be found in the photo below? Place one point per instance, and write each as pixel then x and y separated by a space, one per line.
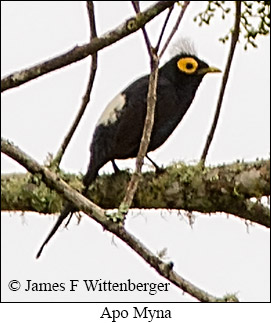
pixel 191 65
pixel 183 68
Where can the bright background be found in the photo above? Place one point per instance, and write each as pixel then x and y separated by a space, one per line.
pixel 220 253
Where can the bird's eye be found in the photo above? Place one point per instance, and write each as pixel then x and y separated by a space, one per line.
pixel 187 65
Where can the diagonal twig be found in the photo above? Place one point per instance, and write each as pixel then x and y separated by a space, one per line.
pixel 163 29
pixel 80 52
pixel 146 37
pixel 174 29
pixel 86 97
pixel 234 39
pixel 54 182
pixel 149 120
pixel 151 101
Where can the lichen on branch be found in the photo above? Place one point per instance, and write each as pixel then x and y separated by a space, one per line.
pixel 225 188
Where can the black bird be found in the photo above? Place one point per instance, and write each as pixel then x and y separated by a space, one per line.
pixel 118 132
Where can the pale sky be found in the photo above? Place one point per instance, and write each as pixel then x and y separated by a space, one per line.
pixel 220 254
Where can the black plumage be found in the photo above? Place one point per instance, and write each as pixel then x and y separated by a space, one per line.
pixel 119 130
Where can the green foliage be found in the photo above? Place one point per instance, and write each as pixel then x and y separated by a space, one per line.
pixel 255 18
pixel 205 16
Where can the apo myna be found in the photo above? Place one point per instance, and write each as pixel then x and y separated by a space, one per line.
pixel 118 132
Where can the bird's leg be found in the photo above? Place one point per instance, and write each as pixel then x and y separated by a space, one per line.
pixel 116 169
pixel 158 169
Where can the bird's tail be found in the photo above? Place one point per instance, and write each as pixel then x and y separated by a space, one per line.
pixel 89 177
pixel 68 209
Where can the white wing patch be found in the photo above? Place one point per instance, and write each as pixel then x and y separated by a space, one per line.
pixel 110 113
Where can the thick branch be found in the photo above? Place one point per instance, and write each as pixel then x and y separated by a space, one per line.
pixel 80 52
pixel 53 181
pixel 226 188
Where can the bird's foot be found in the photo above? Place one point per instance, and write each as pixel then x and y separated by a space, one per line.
pixel 158 170
pixel 116 169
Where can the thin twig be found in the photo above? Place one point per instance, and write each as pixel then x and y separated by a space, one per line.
pixel 92 23
pixel 149 120
pixel 174 29
pixel 151 101
pixel 86 98
pixel 234 39
pixel 163 29
pixel 54 182
pixel 80 52
pixel 146 37
pixel 136 6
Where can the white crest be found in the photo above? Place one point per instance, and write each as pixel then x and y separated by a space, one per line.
pixel 182 46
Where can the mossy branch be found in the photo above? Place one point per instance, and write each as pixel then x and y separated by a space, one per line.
pixel 225 188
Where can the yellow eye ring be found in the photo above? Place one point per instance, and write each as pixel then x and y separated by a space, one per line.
pixel 187 65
